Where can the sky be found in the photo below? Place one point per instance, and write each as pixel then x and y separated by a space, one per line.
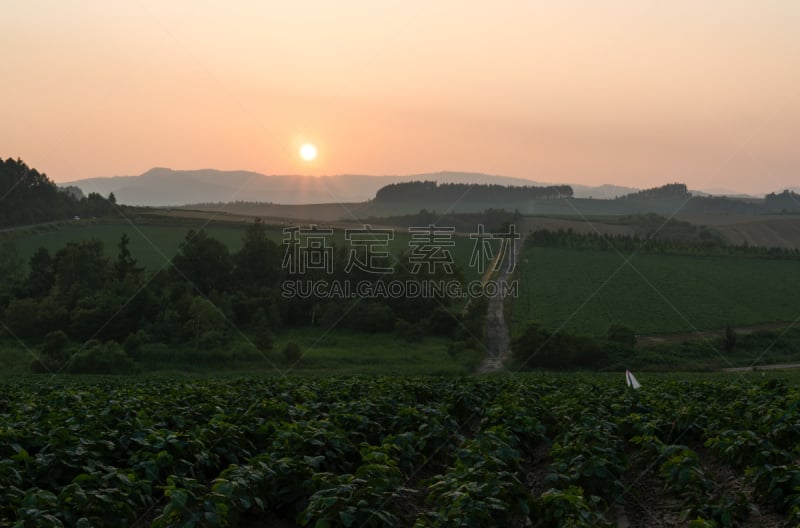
pixel 636 93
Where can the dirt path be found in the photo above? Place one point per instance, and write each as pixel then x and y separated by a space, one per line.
pixel 777 366
pixel 707 334
pixel 498 341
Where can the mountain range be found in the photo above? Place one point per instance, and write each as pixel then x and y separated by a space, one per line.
pixel 166 187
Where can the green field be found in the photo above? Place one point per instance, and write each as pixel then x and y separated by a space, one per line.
pixel 399 452
pixel 586 291
pixel 152 244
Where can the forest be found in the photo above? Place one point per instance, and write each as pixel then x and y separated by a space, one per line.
pixel 29 197
pixel 451 193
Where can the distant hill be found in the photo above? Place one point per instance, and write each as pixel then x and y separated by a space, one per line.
pixel 164 187
pixel 601 192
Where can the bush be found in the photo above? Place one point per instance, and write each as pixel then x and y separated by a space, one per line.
pixel 101 358
pixel 244 351
pixel 53 353
pixel 133 343
pixel 537 347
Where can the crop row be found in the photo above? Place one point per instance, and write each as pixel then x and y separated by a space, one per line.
pixel 386 452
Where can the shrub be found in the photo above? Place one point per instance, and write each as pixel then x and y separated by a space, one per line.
pixel 53 353
pixel 537 347
pixel 133 343
pixel 101 358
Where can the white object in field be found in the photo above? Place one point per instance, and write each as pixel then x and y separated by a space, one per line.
pixel 630 380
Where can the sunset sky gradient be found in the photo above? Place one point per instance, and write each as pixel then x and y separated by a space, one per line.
pixel 704 92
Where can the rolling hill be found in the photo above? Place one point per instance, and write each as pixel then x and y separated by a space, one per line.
pixel 165 187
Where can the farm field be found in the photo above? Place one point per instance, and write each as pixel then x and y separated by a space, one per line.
pixel 486 451
pixel 586 291
pixel 152 242
pixel 756 230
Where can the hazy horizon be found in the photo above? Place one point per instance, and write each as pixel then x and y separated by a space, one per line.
pixel 702 93
pixel 432 174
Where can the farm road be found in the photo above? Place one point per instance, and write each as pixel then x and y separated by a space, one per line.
pixel 498 341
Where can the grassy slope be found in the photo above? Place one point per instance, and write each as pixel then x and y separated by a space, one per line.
pixel 579 289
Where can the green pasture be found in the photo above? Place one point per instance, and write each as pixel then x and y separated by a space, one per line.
pixel 586 291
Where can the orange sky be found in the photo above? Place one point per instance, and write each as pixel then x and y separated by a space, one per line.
pixel 705 92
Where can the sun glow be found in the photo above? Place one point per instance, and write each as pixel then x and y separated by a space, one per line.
pixel 308 152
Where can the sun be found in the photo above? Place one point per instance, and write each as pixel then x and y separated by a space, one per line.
pixel 308 152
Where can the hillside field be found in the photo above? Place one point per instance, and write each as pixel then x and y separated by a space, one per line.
pixel 586 291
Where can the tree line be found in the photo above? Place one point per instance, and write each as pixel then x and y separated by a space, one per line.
pixel 670 190
pixel 28 196
pixel 431 191
pixel 785 202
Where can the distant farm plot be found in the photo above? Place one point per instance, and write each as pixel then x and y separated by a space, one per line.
pixel 586 291
pixel 762 230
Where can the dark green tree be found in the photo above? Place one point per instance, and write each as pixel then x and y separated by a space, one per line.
pixel 257 266
pixel 81 269
pixel 126 264
pixel 10 272
pixel 42 274
pixel 204 262
pixel 21 317
pixel 206 324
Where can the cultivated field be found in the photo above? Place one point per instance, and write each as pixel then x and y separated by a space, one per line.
pixel 763 230
pixel 586 291
pixel 422 452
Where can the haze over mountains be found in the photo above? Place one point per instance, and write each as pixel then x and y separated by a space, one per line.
pixel 163 187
